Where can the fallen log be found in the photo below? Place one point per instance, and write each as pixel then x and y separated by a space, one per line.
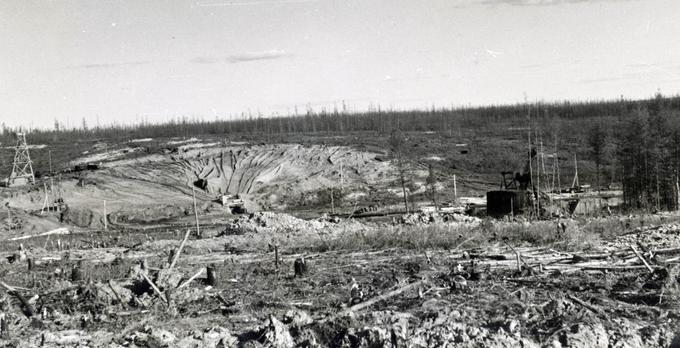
pixel 130 313
pixel 586 305
pixel 191 279
pixel 155 288
pixel 612 268
pixel 667 251
pixel 179 250
pixel 649 268
pixel 115 293
pixel 365 304
pixel 61 230
pixel 12 287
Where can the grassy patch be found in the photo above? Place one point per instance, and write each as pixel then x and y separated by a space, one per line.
pixel 566 235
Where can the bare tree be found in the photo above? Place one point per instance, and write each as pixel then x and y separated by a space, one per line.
pixel 397 147
pixel 431 182
pixel 598 140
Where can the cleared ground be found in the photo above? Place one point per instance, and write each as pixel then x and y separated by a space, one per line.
pixel 419 280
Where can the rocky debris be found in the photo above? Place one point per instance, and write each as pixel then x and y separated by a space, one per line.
pixel 425 218
pixel 151 337
pixel 70 338
pixel 663 236
pixel 297 318
pixel 213 337
pixel 168 278
pixel 268 222
pixel 584 335
pixel 272 333
pixel 115 292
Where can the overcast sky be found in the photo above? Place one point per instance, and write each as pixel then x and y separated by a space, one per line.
pixel 125 61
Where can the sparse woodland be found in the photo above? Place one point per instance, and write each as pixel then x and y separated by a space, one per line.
pixel 634 143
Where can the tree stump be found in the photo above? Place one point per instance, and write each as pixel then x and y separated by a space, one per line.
pixel 144 264
pixel 300 267
pixel 4 326
pixel 168 296
pixel 212 275
pixel 76 273
pixel 171 257
pixel 26 307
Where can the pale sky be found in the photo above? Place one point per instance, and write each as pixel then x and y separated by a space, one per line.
pixel 125 61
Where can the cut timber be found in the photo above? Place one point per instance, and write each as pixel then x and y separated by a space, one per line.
pixel 667 251
pixel 26 305
pixel 155 288
pixel 179 250
pixel 375 300
pixel 12 288
pixel 611 268
pixel 191 279
pixel 651 270
pixel 61 230
pixel 586 305
pixel 115 293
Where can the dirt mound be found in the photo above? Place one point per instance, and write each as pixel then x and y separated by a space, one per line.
pixel 273 172
pixel 268 222
pixel 431 218
pixel 663 236
pixel 158 187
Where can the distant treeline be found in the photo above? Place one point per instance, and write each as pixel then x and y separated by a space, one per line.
pixel 374 120
pixel 633 142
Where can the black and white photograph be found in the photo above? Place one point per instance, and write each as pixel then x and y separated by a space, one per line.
pixel 340 173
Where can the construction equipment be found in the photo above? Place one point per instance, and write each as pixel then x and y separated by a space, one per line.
pixel 521 179
pixel 235 204
pixel 515 195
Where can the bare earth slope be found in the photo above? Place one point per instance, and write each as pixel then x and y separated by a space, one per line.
pixel 154 188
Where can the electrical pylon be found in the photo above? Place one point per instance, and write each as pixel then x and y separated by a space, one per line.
pixel 22 170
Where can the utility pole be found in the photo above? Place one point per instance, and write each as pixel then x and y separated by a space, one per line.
pixel 538 179
pixel 658 194
pixel 455 189
pixel 575 184
pixel 198 231
pixel 46 204
pixel 342 179
pixel 22 169
pixel 531 173
pixel 677 192
pixel 50 154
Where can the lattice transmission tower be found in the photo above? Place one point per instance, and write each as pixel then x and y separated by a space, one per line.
pixel 22 170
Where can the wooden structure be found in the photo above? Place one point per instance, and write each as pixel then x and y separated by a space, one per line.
pixel 22 169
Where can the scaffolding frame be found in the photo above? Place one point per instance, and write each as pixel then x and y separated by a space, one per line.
pixel 23 166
